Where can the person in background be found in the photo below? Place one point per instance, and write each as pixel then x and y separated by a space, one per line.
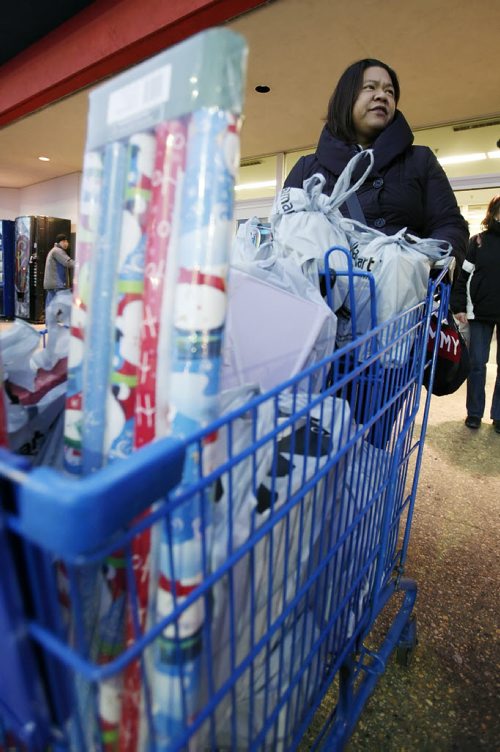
pixel 57 266
pixel 407 186
pixel 476 298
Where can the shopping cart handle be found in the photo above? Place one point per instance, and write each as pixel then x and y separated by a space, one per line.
pixel 75 516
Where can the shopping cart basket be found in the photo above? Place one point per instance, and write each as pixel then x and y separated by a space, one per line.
pixel 298 518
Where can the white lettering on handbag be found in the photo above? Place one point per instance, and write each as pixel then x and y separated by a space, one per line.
pixel 446 341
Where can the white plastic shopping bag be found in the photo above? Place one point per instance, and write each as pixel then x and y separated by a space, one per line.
pixel 306 223
pixel 277 321
pixel 35 384
pixel 19 342
pixel 252 243
pixel 58 320
pixel 365 478
pixel 264 579
pixel 400 265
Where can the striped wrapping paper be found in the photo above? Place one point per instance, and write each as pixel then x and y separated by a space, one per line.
pixel 87 236
pixel 119 431
pixel 200 307
pixel 160 267
pixel 151 393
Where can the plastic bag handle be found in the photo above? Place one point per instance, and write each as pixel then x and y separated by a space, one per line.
pixel 432 248
pixel 343 188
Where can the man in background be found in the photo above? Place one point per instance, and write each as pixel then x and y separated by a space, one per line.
pixel 57 266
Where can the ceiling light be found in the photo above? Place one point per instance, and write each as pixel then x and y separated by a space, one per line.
pixel 461 158
pixel 494 154
pixel 251 186
pixel 44 159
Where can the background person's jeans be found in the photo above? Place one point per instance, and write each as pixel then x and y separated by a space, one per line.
pixel 49 296
pixel 481 333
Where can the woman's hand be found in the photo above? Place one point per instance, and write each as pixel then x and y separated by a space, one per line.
pixel 461 317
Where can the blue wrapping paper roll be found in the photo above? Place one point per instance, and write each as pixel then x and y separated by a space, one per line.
pixel 90 202
pixel 99 340
pixel 119 425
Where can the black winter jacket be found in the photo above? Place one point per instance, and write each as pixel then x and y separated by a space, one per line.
pixel 477 288
pixel 406 188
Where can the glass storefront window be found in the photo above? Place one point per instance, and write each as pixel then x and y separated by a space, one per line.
pixel 454 143
pixel 260 178
pixel 257 178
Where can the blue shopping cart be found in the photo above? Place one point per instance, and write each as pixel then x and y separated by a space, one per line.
pixel 302 504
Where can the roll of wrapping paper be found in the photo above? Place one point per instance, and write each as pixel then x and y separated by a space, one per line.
pixel 200 307
pixel 103 617
pixel 88 223
pixel 3 412
pixel 152 392
pixel 120 408
pixel 90 202
pixel 160 265
pixel 119 432
pixel 98 347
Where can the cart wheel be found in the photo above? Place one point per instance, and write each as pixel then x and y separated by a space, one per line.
pixel 407 643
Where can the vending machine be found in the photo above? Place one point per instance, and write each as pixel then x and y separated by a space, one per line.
pixel 7 268
pixel 34 237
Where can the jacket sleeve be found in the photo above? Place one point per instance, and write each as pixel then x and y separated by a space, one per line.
pixel 443 218
pixel 295 178
pixel 63 258
pixel 458 298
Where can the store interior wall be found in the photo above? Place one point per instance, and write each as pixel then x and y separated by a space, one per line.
pixel 9 203
pixel 53 198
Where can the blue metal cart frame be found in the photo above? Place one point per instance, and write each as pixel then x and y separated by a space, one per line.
pixel 309 507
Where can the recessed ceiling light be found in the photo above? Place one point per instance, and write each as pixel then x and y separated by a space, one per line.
pixel 44 159
pixel 262 89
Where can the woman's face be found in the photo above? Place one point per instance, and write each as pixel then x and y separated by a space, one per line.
pixel 375 106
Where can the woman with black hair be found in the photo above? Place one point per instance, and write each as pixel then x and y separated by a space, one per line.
pixel 476 298
pixel 407 186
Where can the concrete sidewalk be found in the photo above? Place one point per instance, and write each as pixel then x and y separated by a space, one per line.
pixel 448 699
